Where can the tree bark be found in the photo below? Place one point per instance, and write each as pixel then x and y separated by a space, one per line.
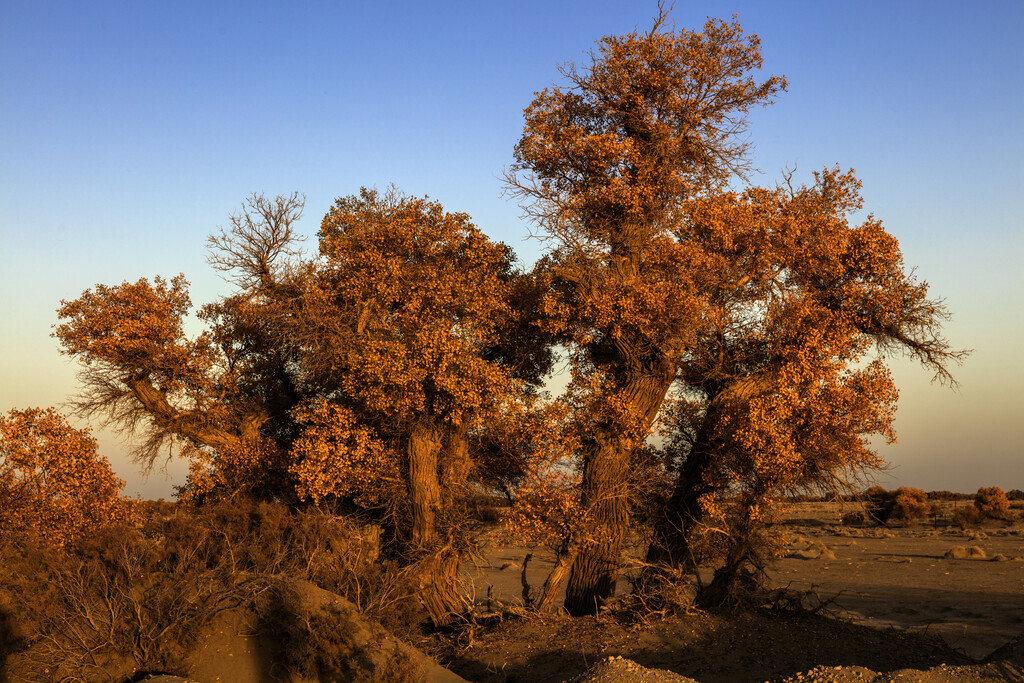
pixel 605 491
pixel 424 489
pixel 455 465
pixel 440 564
pixel 192 424
pixel 683 512
pixel 440 586
pixel 563 564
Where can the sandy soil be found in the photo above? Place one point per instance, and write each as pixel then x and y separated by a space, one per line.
pixel 903 580
pixel 922 609
pixel 904 612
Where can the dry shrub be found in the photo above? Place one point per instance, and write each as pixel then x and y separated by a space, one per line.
pixel 910 504
pixel 966 516
pixel 659 590
pixel 816 550
pixel 959 552
pixel 336 553
pixel 115 604
pixel 991 502
pixel 904 504
pixel 124 599
pixel 855 518
pixel 27 593
pixel 879 504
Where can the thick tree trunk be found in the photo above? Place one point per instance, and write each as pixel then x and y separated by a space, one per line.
pixel 440 566
pixel 455 465
pixel 440 587
pixel 424 489
pixel 194 424
pixel 683 512
pixel 605 490
pixel 696 478
pixel 595 570
pixel 563 564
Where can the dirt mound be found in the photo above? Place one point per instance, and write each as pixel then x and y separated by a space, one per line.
pixel 984 673
pixel 815 550
pixel 1012 652
pixel 959 552
pixel 298 632
pixel 766 645
pixel 619 670
pixel 313 635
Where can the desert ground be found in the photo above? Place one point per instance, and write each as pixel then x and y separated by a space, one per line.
pixel 928 602
pixel 892 597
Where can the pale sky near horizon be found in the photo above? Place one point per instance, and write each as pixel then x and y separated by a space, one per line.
pixel 131 130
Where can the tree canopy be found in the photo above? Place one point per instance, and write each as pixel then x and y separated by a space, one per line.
pixel 52 480
pixel 401 365
pixel 757 308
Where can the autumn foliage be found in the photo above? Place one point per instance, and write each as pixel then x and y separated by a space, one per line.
pixel 727 343
pixel 749 321
pixel 53 483
pixel 991 502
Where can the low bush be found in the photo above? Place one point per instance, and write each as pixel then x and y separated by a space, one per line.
pixel 109 604
pixel 910 505
pixel 879 504
pixel 125 598
pixel 991 502
pixel 855 518
pixel 966 516
pixel 336 553
pixel 904 504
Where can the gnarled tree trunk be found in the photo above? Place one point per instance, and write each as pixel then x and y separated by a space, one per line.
pixel 439 583
pixel 424 489
pixel 455 464
pixel 683 512
pixel 440 563
pixel 563 565
pixel 696 478
pixel 605 491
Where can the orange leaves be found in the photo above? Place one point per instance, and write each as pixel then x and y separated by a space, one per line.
pixel 336 456
pixel 653 118
pixel 51 478
pixel 547 509
pixel 134 331
pixel 128 323
pixel 237 466
pixel 425 292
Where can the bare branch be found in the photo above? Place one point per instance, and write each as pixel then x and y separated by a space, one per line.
pixel 250 250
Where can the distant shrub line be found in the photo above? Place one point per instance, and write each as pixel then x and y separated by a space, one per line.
pixel 862 496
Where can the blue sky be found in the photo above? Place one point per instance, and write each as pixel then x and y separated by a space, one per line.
pixel 131 130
